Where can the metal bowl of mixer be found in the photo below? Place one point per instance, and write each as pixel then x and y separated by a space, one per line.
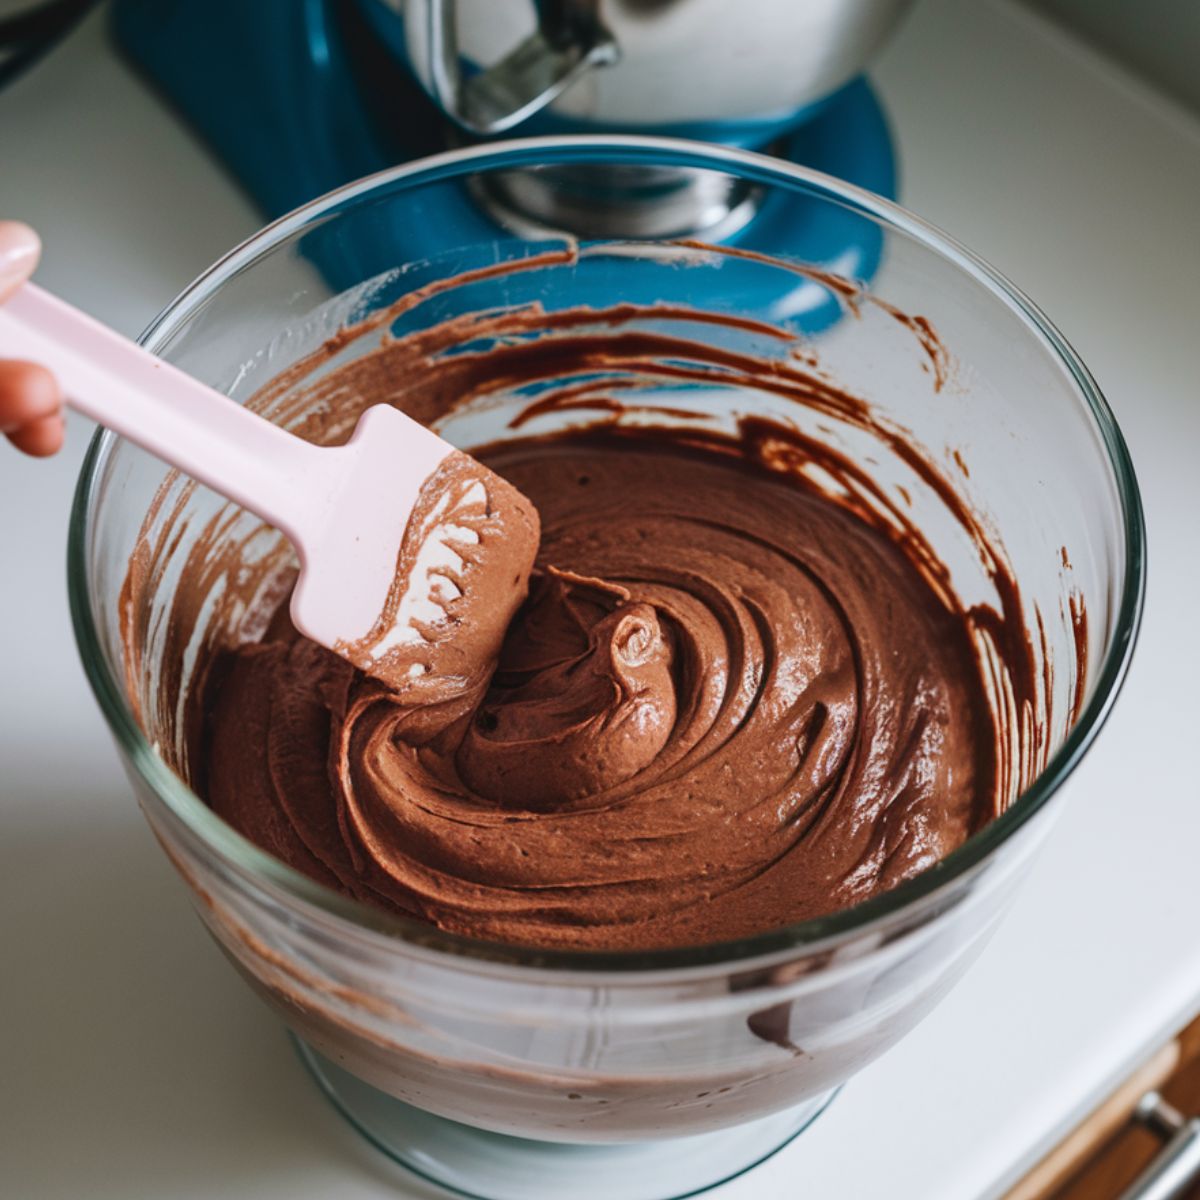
pixel 744 74
pixel 688 66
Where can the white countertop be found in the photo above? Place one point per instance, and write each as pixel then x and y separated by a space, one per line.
pixel 134 1063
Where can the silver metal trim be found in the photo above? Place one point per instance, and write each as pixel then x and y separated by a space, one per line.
pixel 570 40
pixel 1177 1166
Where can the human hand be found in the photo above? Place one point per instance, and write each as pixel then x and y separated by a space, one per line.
pixel 30 399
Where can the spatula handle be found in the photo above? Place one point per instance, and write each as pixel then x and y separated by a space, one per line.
pixel 184 422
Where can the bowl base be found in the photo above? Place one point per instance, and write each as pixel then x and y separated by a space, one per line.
pixel 491 1166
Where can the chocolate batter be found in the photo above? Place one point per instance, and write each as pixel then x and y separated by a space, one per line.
pixel 739 694
pixel 727 705
pixel 461 573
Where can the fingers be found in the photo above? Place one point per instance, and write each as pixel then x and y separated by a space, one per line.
pixel 30 404
pixel 20 250
pixel 30 401
pixel 40 438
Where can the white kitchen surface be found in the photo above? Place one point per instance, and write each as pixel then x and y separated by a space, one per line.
pixel 134 1063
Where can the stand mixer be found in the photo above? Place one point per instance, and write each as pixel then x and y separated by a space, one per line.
pixel 300 97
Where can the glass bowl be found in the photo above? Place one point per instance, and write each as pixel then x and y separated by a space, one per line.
pixel 494 1068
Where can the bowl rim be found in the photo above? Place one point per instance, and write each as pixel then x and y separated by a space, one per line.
pixel 907 900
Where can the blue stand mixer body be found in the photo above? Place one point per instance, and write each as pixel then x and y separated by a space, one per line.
pixel 299 97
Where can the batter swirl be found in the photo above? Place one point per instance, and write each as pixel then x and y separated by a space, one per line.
pixel 727 704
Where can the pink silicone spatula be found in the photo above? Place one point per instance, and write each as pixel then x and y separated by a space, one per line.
pixel 345 509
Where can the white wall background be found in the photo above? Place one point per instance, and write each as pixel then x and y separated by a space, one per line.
pixel 1160 39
